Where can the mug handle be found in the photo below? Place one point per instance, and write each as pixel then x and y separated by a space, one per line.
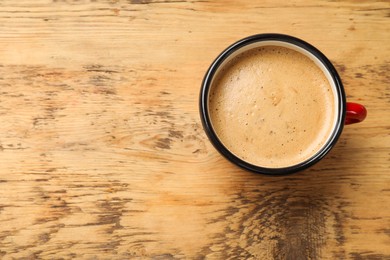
pixel 355 113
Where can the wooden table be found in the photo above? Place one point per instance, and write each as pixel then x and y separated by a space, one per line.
pixel 102 154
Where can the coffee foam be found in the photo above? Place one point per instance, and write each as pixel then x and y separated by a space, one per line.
pixel 272 107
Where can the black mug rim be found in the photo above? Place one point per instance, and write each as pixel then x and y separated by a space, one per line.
pixel 206 122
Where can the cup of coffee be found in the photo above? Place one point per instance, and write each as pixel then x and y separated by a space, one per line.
pixel 274 104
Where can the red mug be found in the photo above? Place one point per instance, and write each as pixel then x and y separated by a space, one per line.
pixel 355 113
pixel 347 113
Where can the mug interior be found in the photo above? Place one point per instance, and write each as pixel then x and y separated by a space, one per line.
pixel 319 60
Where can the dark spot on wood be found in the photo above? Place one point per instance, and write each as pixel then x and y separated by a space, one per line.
pixel 108 91
pixel 116 11
pixel 304 225
pixel 61 204
pixel 59 191
pixel 386 231
pixel 35 255
pixel 351 28
pixel 165 93
pixel 112 211
pixel 164 257
pixel 99 80
pixel 164 143
pixel 358 75
pixel 43 238
pixel 175 134
pixel 16 95
pixel 162 114
pixel 291 219
pixel 369 255
pixel 41 180
pixel 338 228
pixel 191 137
pixel 196 151
pixel 99 68
pixel 339 67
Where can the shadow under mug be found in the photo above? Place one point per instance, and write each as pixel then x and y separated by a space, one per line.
pixel 347 113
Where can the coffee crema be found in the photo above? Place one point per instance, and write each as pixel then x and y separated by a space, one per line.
pixel 272 107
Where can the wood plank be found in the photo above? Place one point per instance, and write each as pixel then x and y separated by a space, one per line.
pixel 102 155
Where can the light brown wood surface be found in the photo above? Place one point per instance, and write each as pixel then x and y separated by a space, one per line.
pixel 102 154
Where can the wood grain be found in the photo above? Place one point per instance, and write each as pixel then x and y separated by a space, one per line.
pixel 102 155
